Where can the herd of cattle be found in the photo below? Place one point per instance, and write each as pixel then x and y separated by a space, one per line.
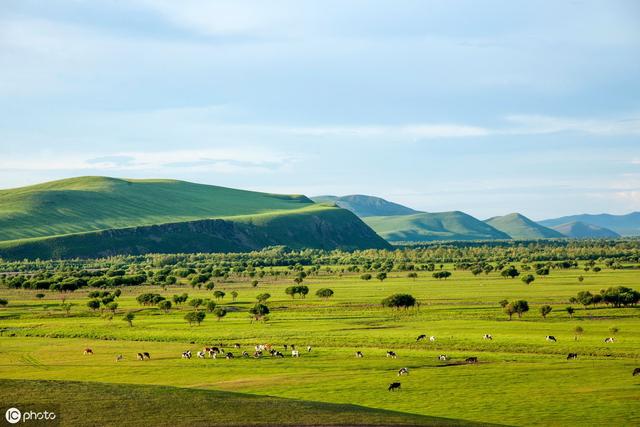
pixel 261 349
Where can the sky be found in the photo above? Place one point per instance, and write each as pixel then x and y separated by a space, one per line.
pixel 487 107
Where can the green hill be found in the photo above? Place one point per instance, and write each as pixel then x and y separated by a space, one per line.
pixel 96 216
pixel 433 226
pixel 581 230
pixel 624 225
pixel 520 227
pixel 365 206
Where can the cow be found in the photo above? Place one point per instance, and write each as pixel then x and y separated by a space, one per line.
pixel 609 340
pixel 442 357
pixel 421 337
pixel 229 356
pixel 278 354
pixel 394 387
pixel 308 349
pixel 293 346
pixel 359 354
pixel 236 345
pixel 391 354
pixel 572 356
pixel 140 356
pixel 88 351
pixel 487 336
pixel 146 355
pixel 551 338
pixel 403 371
pixel 245 354
pixel 636 372
pixel 186 354
pixel 202 354
pixel 471 360
pixel 257 354
pixel 286 347
pixel 432 338
pixel 295 353
pixel 119 358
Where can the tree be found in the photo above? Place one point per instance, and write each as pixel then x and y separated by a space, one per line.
pixel 381 276
pixel 291 290
pixel 324 293
pixel 234 295
pixel 303 291
pixel 521 307
pixel 39 296
pixel 441 275
pixel 210 305
pixel 570 311
pixel 544 310
pixel 503 303
pixel 112 306
pixel 195 317
pixel 4 302
pixel 366 277
pixel 196 303
pixel 413 275
pixel 165 306
pixel 254 283
pixel 210 286
pixel 399 301
pixel 597 269
pixel 259 311
pixel 585 298
pixel 577 331
pixel 262 298
pixel 129 318
pixel 510 310
pixel 93 304
pixel 219 295
pixel 510 272
pixel 580 278
pixel 528 279
pixel 542 271
pixel 219 313
pixel 179 299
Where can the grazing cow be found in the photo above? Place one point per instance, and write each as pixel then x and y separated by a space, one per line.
pixel 551 338
pixel 421 337
pixel 186 354
pixel 391 354
pixel 295 353
pixel 88 351
pixel 571 356
pixel 273 352
pixel 229 356
pixel 278 354
pixel 394 387
pixel 119 358
pixel 201 354
pixel 471 360
pixel 245 354
pixel 236 345
pixel 308 349
pixel 636 372
pixel 146 355
pixel 140 356
pixel 257 354
pixel 610 339
pixel 403 371
pixel 487 336
pixel 359 354
pixel 432 338
pixel 442 357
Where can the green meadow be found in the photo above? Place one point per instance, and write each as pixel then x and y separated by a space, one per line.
pixel 521 379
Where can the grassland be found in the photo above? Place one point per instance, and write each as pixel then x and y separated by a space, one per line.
pixel 521 379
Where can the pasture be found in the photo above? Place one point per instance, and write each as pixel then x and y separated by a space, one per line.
pixel 520 378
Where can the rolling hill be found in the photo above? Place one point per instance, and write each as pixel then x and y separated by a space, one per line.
pixel 624 225
pixel 581 230
pixel 365 206
pixel 433 226
pixel 90 216
pixel 519 227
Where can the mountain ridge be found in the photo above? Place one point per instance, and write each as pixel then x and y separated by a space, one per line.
pixel 519 227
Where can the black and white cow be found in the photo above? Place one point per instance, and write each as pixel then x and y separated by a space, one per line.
pixel 186 354
pixel 119 358
pixel 551 338
pixel 392 354
pixel 359 354
pixel 308 349
pixel 146 355
pixel 140 356
pixel 403 371
pixel 487 336
pixel 295 353
pixel 442 357
pixel 572 356
pixel 201 354
pixel 609 340
pixel 229 356
pixel 636 372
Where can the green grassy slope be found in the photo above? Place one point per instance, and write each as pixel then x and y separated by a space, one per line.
pixel 98 203
pixel 520 227
pixel 581 230
pixel 313 226
pixel 433 226
pixel 625 225
pixel 364 206
pixel 144 405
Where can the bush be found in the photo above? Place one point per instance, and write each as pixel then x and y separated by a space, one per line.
pixel 4 302
pixel 399 301
pixel 324 293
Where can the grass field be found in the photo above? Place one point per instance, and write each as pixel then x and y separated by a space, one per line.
pixel 520 379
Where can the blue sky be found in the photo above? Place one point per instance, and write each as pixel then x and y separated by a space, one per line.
pixel 487 107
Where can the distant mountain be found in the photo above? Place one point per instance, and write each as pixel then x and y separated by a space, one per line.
pixel 91 216
pixel 433 226
pixel 365 206
pixel 625 225
pixel 520 227
pixel 581 230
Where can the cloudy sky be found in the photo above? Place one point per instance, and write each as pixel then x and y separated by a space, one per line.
pixel 487 107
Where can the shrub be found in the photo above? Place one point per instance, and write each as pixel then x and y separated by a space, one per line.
pixel 399 301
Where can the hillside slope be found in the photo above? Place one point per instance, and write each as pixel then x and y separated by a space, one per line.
pixel 433 226
pixel 365 206
pixel 98 203
pixel 520 227
pixel 625 225
pixel 316 226
pixel 581 230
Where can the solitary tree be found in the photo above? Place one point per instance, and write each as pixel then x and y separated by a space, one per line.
pixel 219 295
pixel 211 305
pixel 510 310
pixel 413 275
pixel 165 305
pixel 381 276
pixel 521 307
pixel 510 272
pixel 196 302
pixel 129 318
pixel 259 311
pixel 528 279
pixel 195 317
pixel 66 307
pixel 219 313
pixel 366 276
pixel 262 298
pixel 570 311
pixel 544 310
pixel 254 283
pixel 112 306
pixel 324 293
pixel 399 301
pixel 234 295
